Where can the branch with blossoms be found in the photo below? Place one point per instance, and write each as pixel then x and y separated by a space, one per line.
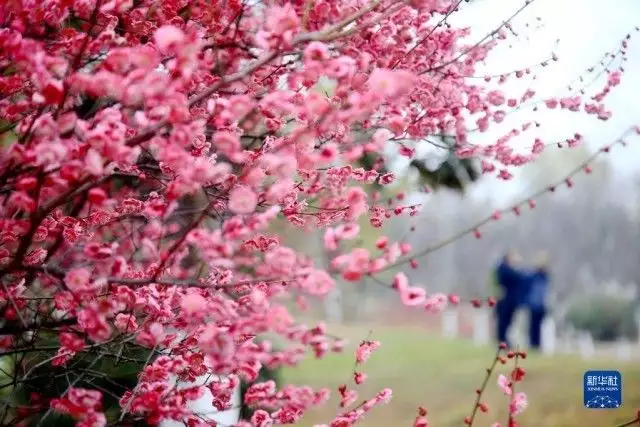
pixel 497 158
pixel 515 209
pixel 478 404
pixel 154 147
pixel 349 396
pixel 517 401
pixel 359 263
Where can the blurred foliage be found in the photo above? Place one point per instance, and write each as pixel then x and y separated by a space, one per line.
pixel 607 318
pixel 454 173
pixel 7 134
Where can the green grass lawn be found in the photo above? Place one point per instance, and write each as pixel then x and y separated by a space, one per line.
pixel 443 375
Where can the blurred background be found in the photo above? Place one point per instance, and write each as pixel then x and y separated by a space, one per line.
pixel 591 232
pixel 590 227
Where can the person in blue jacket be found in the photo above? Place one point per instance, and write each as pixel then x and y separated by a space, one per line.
pixel 513 284
pixel 536 301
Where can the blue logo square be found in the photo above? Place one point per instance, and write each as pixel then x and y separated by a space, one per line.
pixel 602 389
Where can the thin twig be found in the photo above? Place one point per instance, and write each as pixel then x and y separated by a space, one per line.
pixel 135 390
pixel 480 391
pixel 510 409
pixel 636 420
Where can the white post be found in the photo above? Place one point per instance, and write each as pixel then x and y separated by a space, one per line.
pixel 568 340
pixel 586 345
pixel 450 323
pixel 517 334
pixel 549 336
pixel 623 349
pixel 203 407
pixel 481 326
pixel 637 317
pixel 333 306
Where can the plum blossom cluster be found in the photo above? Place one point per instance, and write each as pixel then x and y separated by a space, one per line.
pixel 154 155
pixel 83 405
pixel 497 158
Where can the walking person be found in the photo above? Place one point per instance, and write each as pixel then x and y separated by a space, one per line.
pixel 513 286
pixel 536 301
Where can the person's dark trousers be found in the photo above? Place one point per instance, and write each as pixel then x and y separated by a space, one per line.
pixel 504 316
pixel 535 327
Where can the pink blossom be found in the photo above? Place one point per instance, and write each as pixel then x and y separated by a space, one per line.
pixel 518 403
pixel 386 179
pixel 496 98
pixel 94 163
pixel 359 377
pixel 81 403
pixel 152 335
pixel 227 143
pixel 347 231
pixel 538 147
pixel 390 83
pixel 242 200
pixel 347 397
pixel 78 280
pixel 384 395
pixel 126 323
pixel 193 304
pixel 331 240
pixel 316 52
pixel 281 259
pixel 413 296
pixel 614 78
pixel 437 302
pixel 505 384
pixel 483 123
pixel 94 324
pixel 168 38
pixel 382 242
pixel 356 200
pixel 401 282
pixel 318 282
pixel 261 418
pixel 282 25
pixel 364 350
